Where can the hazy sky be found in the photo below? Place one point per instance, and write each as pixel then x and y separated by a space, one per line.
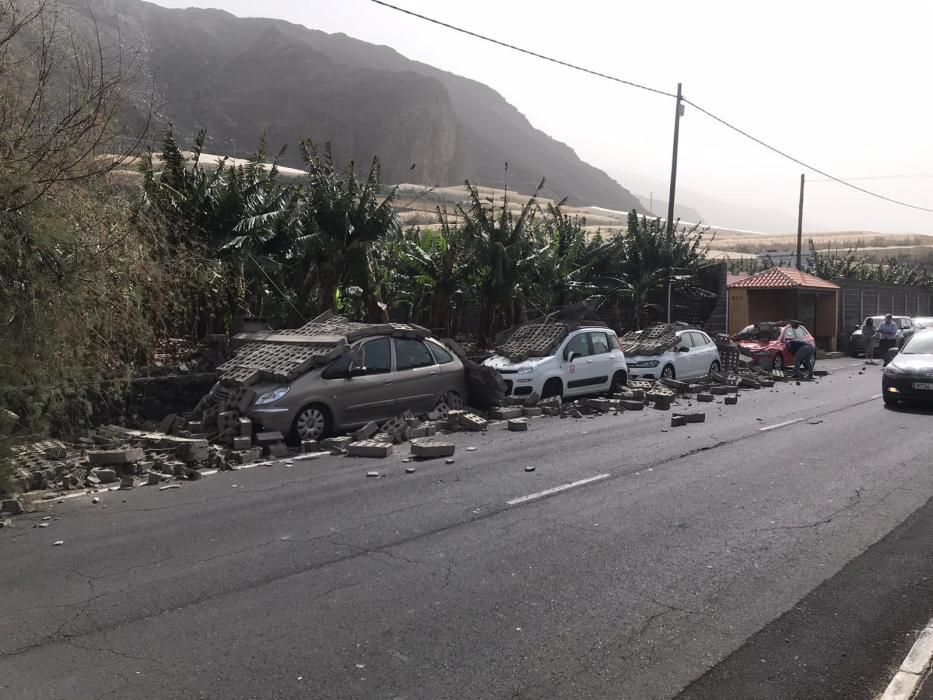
pixel 841 85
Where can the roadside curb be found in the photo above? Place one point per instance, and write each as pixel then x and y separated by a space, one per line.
pixel 911 673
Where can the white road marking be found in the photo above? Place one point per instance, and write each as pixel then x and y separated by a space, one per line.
pixel 908 677
pixel 877 396
pixel 779 425
pixel 556 489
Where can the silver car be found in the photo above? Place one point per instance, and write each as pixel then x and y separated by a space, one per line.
pixel 395 375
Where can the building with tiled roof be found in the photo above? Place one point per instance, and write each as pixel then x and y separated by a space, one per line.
pixel 782 278
pixel 782 294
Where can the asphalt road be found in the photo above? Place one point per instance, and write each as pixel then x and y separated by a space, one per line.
pixel 712 560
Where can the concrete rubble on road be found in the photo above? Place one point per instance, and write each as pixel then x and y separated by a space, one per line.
pixel 218 435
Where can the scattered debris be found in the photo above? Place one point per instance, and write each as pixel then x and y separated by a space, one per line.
pixel 424 449
pixel 517 425
pixel 369 448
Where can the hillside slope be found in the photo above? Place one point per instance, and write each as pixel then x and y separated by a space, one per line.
pixel 242 77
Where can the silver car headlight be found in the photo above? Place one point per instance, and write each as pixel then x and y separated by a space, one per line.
pixel 644 364
pixel 272 396
pixel 526 370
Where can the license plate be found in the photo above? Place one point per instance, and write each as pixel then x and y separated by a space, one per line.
pixel 925 386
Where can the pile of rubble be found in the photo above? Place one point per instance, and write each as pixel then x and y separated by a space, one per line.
pixel 539 339
pixel 651 341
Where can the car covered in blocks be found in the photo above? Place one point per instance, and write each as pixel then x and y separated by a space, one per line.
pixel 560 358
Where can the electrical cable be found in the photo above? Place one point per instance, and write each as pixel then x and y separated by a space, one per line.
pixel 521 50
pixel 801 163
pixel 630 83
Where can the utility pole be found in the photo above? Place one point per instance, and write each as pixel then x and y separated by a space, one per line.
pixel 678 112
pixel 651 202
pixel 800 222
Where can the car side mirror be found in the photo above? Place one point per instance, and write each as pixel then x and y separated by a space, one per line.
pixel 571 356
pixel 354 371
pixel 683 348
pixel 891 354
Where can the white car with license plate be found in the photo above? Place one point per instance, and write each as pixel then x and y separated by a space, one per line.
pixel 587 361
pixel 694 355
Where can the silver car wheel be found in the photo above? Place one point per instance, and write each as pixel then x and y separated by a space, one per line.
pixel 310 423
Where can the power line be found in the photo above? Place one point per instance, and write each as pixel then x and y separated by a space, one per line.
pixel 521 50
pixel 918 176
pixel 825 174
pixel 630 83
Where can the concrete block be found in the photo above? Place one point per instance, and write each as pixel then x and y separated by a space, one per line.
pixel 308 446
pixel 551 410
pixel 369 448
pixel 247 456
pixel 731 400
pixel 384 437
pixel 532 411
pixel 695 417
pixel 268 438
pixel 245 427
pixel 366 432
pixel 121 456
pixel 633 405
pixel 428 450
pixel 228 423
pixel 472 422
pixel 767 383
pixel 193 451
pixel 678 421
pixel 507 412
pixel 662 403
pixel 242 443
pixel 597 404
pixel 719 390
pixel 336 445
pixel 195 426
pixel 56 452
pixel 704 397
pixel 11 506
pixel 675 384
pixel 277 449
pixel 517 425
pixel 105 475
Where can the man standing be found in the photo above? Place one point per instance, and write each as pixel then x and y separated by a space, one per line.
pixel 887 329
pixel 803 351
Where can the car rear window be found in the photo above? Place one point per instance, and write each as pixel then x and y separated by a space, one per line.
pixel 411 354
pixel 441 356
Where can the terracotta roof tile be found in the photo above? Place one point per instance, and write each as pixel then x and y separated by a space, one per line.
pixel 782 278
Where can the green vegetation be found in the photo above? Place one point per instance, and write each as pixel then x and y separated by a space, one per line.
pixel 97 272
pixel 833 263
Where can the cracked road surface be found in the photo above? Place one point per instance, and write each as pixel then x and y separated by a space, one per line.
pixel 313 581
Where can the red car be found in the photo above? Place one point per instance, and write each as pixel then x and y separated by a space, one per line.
pixel 765 342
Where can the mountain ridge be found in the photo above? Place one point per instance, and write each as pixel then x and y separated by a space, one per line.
pixel 240 78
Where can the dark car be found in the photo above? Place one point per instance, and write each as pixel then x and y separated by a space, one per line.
pixel 905 328
pixel 909 374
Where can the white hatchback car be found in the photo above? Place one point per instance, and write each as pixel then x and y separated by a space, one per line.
pixel 587 361
pixel 695 355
